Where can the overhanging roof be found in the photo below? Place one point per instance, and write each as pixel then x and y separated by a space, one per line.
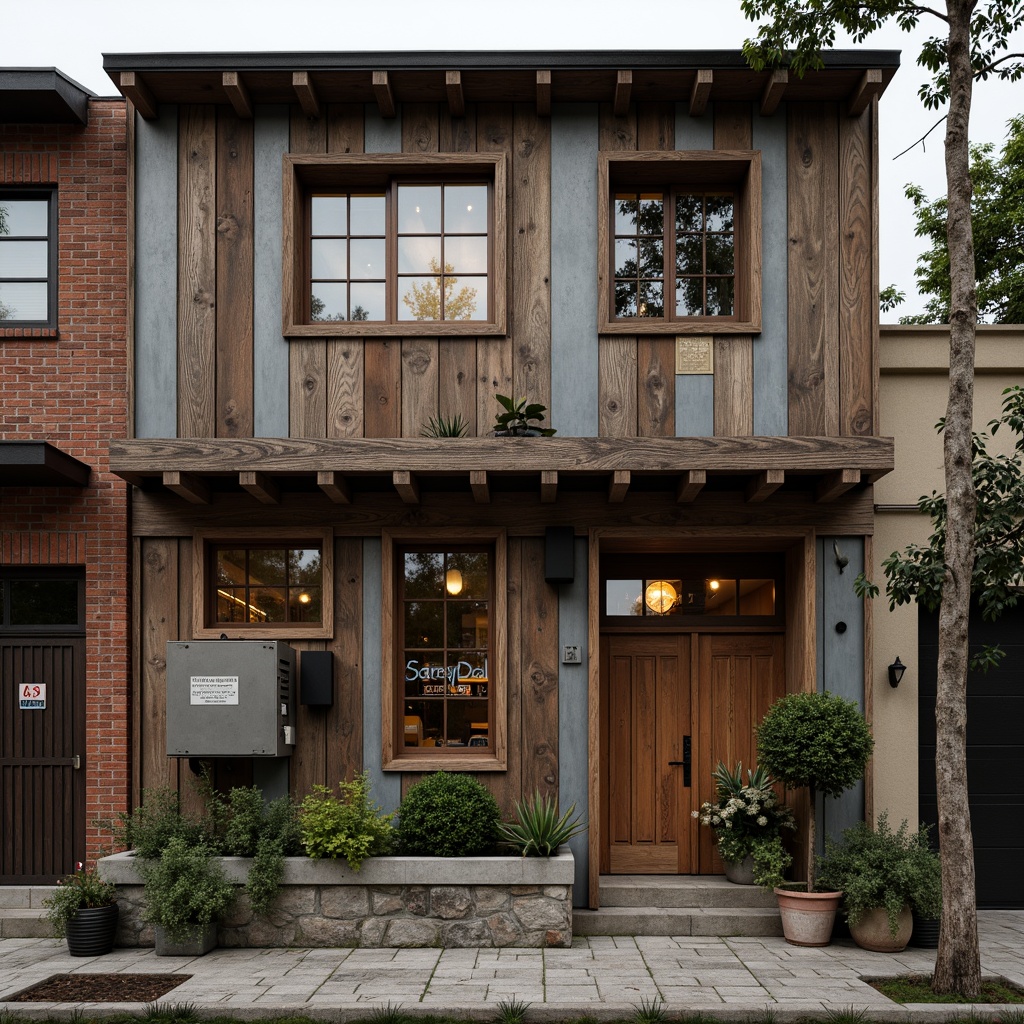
pixel 39 464
pixel 42 96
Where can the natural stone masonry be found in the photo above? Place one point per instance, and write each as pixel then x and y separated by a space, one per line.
pixel 392 902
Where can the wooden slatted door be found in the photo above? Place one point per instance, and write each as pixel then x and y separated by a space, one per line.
pixel 645 684
pixel 43 794
pixel 738 679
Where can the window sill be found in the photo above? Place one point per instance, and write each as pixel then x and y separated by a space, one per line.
pixel 448 763
pixel 285 632
pixel 29 333
pixel 643 327
pixel 350 329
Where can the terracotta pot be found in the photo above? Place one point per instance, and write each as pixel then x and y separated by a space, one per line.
pixel 740 872
pixel 872 931
pixel 807 917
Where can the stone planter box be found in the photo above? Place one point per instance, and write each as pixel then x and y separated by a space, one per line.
pixel 389 902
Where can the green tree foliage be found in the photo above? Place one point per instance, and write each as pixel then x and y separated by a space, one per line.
pixel 997 213
pixel 425 300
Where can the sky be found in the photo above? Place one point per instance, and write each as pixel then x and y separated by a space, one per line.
pixel 74 34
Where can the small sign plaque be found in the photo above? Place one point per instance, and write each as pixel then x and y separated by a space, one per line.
pixel 32 697
pixel 694 354
pixel 216 690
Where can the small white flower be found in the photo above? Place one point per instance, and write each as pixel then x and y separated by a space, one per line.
pixel 762 820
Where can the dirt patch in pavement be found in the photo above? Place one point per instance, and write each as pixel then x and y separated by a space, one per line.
pixel 100 988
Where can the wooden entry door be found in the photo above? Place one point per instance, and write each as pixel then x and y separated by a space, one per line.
pixel 645 684
pixel 43 818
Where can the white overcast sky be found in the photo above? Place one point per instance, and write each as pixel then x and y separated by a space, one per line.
pixel 73 34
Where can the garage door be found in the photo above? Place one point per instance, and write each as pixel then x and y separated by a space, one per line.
pixel 995 752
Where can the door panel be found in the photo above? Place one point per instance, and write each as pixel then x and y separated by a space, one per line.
pixel 645 683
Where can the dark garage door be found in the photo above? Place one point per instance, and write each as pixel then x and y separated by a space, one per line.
pixel 995 752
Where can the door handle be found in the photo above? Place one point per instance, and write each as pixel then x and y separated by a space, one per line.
pixel 76 762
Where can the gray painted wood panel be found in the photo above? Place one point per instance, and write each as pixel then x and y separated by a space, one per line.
pixel 382 135
pixel 572 712
pixel 695 394
pixel 771 363
pixel 574 356
pixel 386 787
pixel 156 270
pixel 270 349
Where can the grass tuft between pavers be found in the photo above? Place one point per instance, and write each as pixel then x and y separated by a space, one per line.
pixel 916 988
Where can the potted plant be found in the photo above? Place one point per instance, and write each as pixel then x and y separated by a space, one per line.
pixel 184 893
pixel 83 909
pixel 883 875
pixel 538 831
pixel 747 821
pixel 519 419
pixel 820 741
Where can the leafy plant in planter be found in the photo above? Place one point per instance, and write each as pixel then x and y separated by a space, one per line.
pixel 448 815
pixel 747 820
pixel 83 909
pixel 519 419
pixel 538 831
pixel 349 826
pixel 879 869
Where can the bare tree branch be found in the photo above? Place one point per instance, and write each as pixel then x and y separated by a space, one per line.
pixel 923 137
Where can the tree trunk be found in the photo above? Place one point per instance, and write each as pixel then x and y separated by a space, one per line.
pixel 958 965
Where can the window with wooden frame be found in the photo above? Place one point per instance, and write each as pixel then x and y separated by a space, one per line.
pixel 264 584
pixel 680 242
pixel 28 258
pixel 444 651
pixel 394 245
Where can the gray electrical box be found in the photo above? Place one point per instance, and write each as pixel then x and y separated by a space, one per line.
pixel 230 698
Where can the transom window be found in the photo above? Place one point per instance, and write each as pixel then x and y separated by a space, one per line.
pixel 27 258
pixel 34 600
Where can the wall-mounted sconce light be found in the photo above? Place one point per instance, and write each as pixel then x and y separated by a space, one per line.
pixel 841 560
pixel 896 670
pixel 453 582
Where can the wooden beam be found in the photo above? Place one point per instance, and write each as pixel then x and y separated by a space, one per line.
pixel 134 88
pixel 260 486
pixel 548 486
pixel 456 98
pixel 237 94
pixel 764 485
pixel 479 486
pixel 868 88
pixel 619 485
pixel 836 484
pixel 135 479
pixel 406 485
pixel 543 93
pixel 304 90
pixel 187 486
pixel 701 92
pixel 774 90
pixel 385 97
pixel 335 486
pixel 691 483
pixel 623 90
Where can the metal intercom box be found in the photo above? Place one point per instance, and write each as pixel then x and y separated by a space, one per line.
pixel 230 698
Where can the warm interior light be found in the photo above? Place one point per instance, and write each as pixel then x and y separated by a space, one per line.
pixel 714 584
pixel 660 596
pixel 304 598
pixel 254 614
pixel 453 582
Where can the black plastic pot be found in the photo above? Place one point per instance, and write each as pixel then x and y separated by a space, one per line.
pixel 91 931
pixel 926 932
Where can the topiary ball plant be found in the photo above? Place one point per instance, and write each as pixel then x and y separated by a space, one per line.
pixel 817 740
pixel 447 816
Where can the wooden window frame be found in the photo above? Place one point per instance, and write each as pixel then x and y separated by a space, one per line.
pixel 700 171
pixel 348 172
pixel 49 193
pixel 394 755
pixel 203 539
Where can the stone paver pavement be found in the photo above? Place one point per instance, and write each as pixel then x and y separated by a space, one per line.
pixel 602 977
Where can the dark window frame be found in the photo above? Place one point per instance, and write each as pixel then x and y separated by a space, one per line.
pixel 75 574
pixel 49 192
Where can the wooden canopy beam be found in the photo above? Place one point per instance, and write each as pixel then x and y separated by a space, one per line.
pixel 187 486
pixel 237 94
pixel 623 91
pixel 618 486
pixel 134 88
pixel 543 93
pixel 385 96
pixel 260 486
pixel 701 92
pixel 335 486
pixel 479 486
pixel 306 93
pixel 868 88
pixel 456 97
pixel 407 486
pixel 764 485
pixel 774 90
pixel 691 483
pixel 836 484
pixel 548 486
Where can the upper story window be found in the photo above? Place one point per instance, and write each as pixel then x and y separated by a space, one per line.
pixel 394 245
pixel 28 258
pixel 680 235
pixel 36 600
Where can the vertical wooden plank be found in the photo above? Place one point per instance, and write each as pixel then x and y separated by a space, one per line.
pixel 457 383
pixel 419 384
pixel 308 767
pixel 382 388
pixel 188 783
pixel 346 125
pixel 197 271
pixel 509 786
pixel 307 357
pixel 234 387
pixel 135 620
pixel 857 302
pixel 345 387
pixel 813 185
pixel 344 721
pixel 458 134
pixel 494 377
pixel 540 674
pixel 656 414
pixel 420 128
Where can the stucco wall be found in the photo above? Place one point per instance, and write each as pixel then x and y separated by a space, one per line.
pixel 912 397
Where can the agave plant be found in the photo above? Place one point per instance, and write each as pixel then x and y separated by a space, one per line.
pixel 538 830
pixel 445 426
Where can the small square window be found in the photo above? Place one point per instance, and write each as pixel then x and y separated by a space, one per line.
pixel 28 258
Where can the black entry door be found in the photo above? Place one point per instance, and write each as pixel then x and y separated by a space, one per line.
pixel 995 752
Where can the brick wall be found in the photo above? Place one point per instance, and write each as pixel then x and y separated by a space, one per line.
pixel 69 387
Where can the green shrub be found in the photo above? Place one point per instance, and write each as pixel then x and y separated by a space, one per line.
pixel 149 828
pixel 448 815
pixel 80 889
pixel 349 826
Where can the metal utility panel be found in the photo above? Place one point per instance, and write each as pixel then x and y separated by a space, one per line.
pixel 230 698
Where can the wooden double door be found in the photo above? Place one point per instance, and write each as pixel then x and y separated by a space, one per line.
pixel 672 707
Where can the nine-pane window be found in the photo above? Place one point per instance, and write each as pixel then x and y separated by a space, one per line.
pixel 266 584
pixel 27 257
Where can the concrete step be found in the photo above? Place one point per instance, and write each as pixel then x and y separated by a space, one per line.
pixel 681 892
pixel 676 921
pixel 24 924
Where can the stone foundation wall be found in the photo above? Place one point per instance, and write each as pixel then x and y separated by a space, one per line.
pixel 390 902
